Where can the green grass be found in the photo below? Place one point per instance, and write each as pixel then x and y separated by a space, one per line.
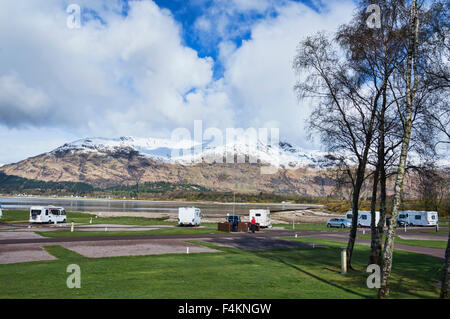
pixel 413 242
pixel 233 273
pixel 441 232
pixel 155 232
pixel 22 216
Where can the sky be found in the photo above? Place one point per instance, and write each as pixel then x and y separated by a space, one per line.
pixel 144 68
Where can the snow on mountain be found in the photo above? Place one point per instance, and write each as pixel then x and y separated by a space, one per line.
pixel 190 152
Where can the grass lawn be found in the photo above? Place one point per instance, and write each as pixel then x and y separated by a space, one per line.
pixel 441 232
pixel 413 242
pixel 233 273
pixel 155 232
pixel 311 227
pixel 21 216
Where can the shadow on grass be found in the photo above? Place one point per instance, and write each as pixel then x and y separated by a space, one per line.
pixel 288 262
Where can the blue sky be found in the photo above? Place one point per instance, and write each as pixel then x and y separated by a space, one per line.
pixel 187 14
pixel 144 68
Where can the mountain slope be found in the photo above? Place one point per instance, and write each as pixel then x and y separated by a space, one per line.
pixel 124 161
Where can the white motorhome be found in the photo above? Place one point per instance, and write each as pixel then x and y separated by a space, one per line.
pixel 262 217
pixel 364 217
pixel 47 214
pixel 417 218
pixel 191 216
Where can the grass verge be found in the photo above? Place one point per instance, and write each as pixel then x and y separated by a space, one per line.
pixel 288 273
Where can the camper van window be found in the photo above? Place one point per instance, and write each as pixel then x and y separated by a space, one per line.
pixel 258 215
pixel 433 216
pixel 401 216
pixel 418 217
pixel 364 217
pixel 63 212
pixel 35 212
pixel 349 216
pixel 46 212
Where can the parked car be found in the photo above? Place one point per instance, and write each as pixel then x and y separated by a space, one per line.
pixel 339 222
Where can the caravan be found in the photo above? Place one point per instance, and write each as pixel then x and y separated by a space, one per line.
pixel 417 218
pixel 262 217
pixel 47 214
pixel 364 217
pixel 189 216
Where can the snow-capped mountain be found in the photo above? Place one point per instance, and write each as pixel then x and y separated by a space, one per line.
pixel 187 152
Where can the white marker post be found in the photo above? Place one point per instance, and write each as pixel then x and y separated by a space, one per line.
pixel 187 250
pixel 90 221
pixel 71 228
pixel 344 261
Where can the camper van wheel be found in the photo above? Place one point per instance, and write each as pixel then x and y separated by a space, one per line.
pixel 342 226
pixel 359 225
pixel 328 225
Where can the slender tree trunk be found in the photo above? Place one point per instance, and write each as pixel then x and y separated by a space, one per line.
pixel 373 226
pixel 382 176
pixel 382 212
pixel 445 279
pixel 410 95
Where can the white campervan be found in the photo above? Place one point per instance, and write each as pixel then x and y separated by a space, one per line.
pixel 47 214
pixel 262 217
pixel 191 216
pixel 364 217
pixel 417 218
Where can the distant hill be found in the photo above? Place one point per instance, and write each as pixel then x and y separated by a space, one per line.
pixel 164 166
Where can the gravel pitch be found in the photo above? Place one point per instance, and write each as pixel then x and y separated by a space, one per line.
pixel 96 249
pixel 10 254
pixel 18 235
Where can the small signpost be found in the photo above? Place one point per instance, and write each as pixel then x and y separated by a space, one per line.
pixel 344 261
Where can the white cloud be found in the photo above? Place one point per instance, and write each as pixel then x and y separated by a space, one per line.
pixel 259 76
pixel 134 68
pixel 135 75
